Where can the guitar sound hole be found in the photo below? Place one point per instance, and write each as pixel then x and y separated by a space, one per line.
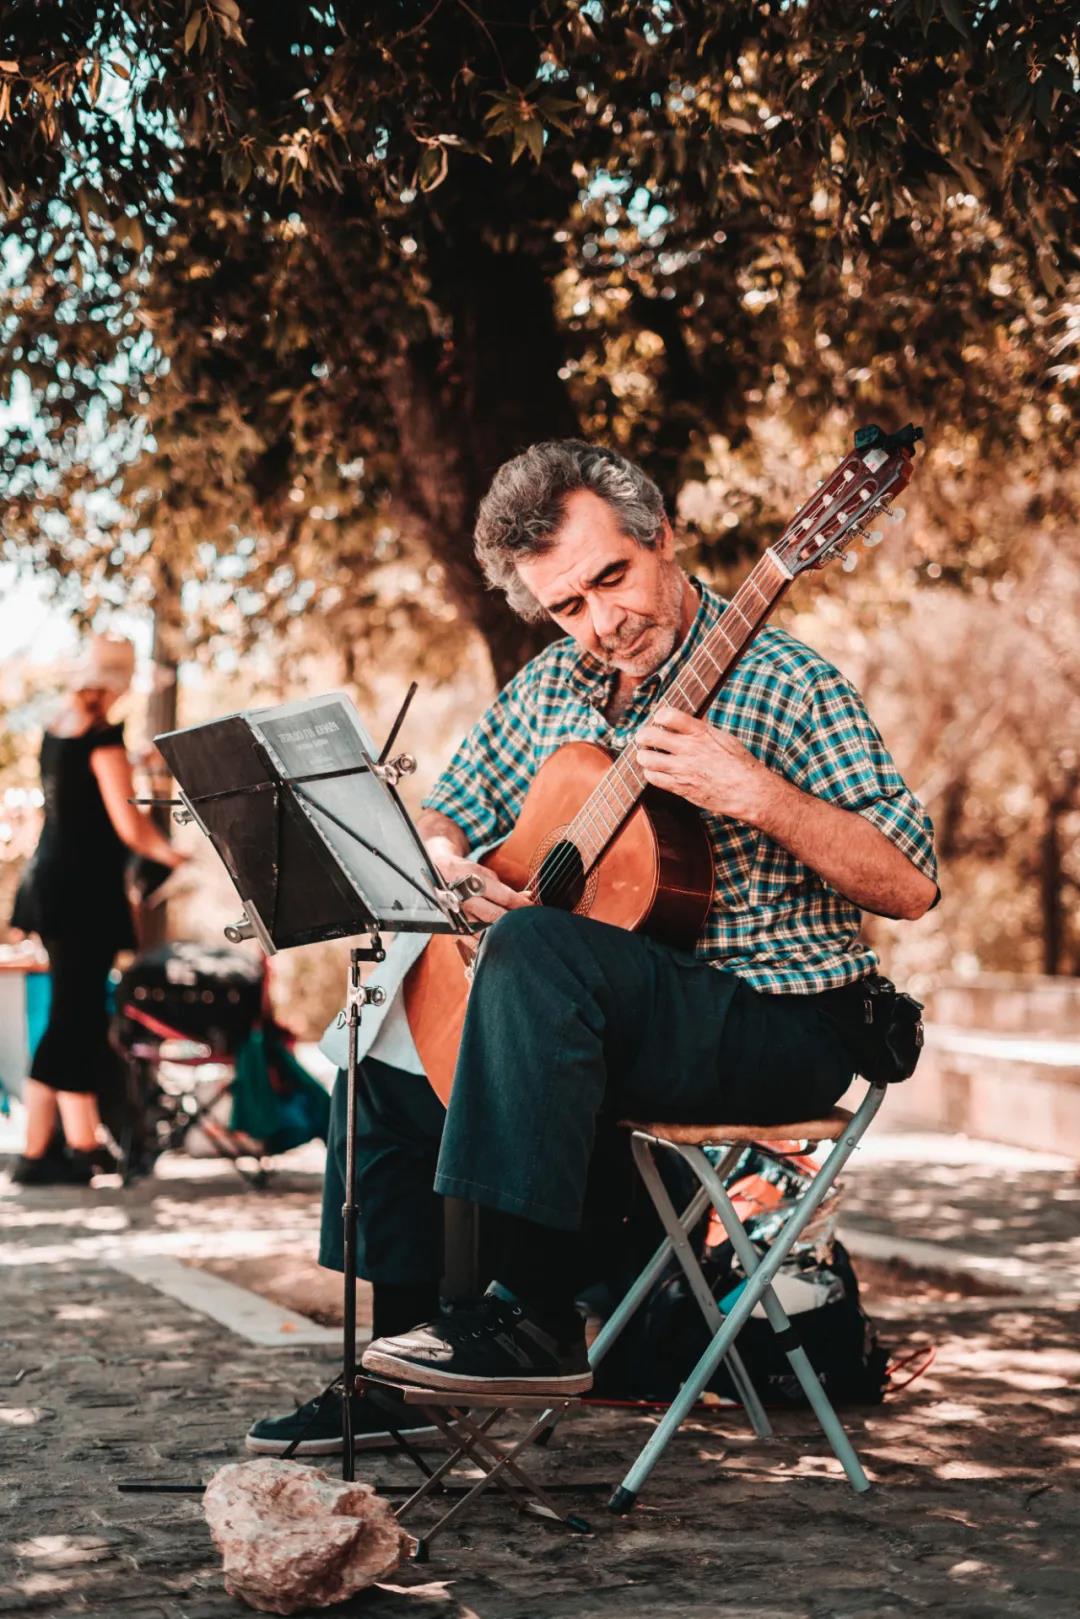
pixel 561 878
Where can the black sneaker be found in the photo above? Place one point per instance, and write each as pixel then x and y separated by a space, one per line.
pixel 320 1423
pixel 99 1160
pixel 491 1348
pixel 50 1171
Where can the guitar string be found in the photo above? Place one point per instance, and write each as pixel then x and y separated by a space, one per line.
pixel 571 863
pixel 602 801
pixel 601 796
pixel 598 819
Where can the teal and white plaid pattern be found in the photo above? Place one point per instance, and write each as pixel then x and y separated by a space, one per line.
pixel 774 922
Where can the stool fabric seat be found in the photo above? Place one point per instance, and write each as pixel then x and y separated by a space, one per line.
pixel 828 1128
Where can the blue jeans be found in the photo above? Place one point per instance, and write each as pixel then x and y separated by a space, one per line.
pixel 572 1024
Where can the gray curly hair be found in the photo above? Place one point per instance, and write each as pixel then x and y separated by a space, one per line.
pixel 522 511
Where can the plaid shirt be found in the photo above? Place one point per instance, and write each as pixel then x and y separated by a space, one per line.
pixel 774 922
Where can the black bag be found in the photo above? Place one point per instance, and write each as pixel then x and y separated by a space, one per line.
pixel 881 1026
pixel 208 993
pixel 668 1335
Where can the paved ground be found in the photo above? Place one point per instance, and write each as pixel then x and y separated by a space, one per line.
pixel 975 1511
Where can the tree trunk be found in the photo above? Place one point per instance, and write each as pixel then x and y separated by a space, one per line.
pixel 461 408
pixel 950 819
pixel 1052 878
pixel 161 716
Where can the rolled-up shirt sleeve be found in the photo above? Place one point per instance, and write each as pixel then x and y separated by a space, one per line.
pixel 834 750
pixel 484 785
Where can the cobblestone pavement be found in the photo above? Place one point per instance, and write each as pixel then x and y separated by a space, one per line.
pixel 994 1203
pixel 104 1379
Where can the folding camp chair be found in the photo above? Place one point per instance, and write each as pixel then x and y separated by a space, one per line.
pixel 726 1318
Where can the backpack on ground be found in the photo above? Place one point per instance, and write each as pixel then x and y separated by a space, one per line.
pixel 817 1287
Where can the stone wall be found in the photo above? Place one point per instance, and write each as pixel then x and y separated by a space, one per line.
pixel 1002 1061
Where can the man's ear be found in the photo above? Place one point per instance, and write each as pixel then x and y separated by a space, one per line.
pixel 665 544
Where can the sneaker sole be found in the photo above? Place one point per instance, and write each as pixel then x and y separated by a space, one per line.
pixel 405 1371
pixel 334 1447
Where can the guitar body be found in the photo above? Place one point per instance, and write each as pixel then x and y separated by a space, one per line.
pixel 656 876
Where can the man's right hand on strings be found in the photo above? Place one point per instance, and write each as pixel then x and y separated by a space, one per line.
pixel 447 847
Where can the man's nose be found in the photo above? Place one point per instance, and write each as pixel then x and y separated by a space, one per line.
pixel 607 617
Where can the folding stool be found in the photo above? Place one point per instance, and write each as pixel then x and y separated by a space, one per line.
pixel 839 1126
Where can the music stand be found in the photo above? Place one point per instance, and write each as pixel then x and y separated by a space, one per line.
pixel 318 844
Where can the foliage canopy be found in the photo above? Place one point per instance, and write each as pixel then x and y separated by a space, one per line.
pixel 286 283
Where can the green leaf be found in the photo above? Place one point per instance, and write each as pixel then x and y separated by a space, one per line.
pixel 95 200
pixel 432 168
pixel 954 13
pixel 550 105
pixel 1049 274
pixel 533 132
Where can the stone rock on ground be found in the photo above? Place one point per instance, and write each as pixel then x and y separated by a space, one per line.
pixel 292 1537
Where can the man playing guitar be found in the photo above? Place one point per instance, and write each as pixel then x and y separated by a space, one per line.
pixel 571 1022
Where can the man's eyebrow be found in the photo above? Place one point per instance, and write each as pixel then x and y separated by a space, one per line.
pixel 597 579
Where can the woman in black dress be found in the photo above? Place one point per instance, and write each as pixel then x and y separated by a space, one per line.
pixel 73 896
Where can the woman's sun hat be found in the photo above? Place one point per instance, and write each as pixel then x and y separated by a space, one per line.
pixel 106 663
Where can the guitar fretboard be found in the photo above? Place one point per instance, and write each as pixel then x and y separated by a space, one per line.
pixel 609 804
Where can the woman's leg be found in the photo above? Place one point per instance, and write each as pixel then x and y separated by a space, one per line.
pixel 81 1119
pixel 40 1103
pixel 73 1052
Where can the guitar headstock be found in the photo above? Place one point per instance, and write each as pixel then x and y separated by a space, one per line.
pixel 865 483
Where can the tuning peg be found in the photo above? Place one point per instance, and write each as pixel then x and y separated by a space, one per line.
pixel 895 514
pixel 875 537
pixel 850 562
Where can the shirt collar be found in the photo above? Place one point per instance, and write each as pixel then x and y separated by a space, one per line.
pixel 594 680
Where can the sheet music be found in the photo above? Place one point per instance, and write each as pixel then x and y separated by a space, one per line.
pixel 315 734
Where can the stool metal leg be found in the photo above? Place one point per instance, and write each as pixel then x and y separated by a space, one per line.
pixel 683 1248
pixel 627 1493
pixel 797 1357
pixel 494 1459
pixel 456 1449
pixel 635 1295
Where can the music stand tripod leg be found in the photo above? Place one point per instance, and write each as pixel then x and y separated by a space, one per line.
pixel 358 996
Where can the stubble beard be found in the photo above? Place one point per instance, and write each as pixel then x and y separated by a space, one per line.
pixel 659 635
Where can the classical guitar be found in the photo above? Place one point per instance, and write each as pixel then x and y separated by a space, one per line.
pixel 593 837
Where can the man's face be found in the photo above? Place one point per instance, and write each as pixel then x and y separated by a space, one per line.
pixel 622 602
